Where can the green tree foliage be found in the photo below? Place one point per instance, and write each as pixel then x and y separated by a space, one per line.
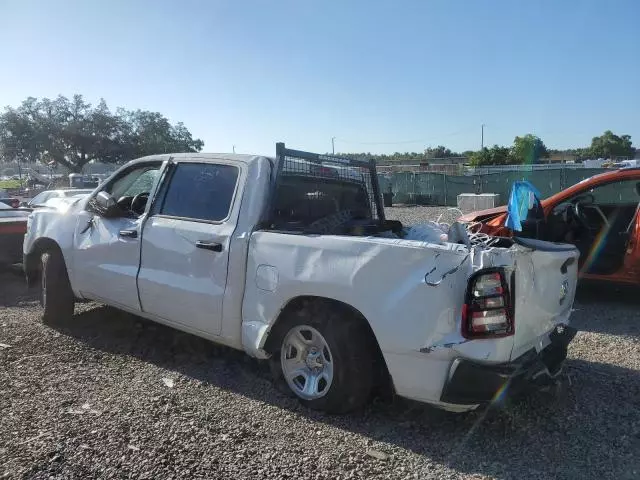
pixel 495 155
pixel 429 155
pixel 71 132
pixel 609 145
pixel 528 149
pixel 440 152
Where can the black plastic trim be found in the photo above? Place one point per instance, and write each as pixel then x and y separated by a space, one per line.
pixel 544 246
pixel 472 383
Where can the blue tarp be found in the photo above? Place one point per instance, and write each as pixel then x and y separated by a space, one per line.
pixel 524 196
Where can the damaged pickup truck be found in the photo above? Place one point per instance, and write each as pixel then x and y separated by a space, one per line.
pixel 291 259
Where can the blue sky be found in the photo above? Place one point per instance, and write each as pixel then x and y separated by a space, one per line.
pixel 378 76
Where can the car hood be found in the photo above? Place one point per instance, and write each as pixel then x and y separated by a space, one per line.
pixel 62 203
pixel 481 215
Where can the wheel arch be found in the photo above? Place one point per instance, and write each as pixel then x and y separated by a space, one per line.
pixel 304 301
pixel 32 258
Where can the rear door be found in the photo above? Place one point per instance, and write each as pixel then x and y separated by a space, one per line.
pixel 185 246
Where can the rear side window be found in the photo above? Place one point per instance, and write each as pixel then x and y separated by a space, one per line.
pixel 302 202
pixel 200 191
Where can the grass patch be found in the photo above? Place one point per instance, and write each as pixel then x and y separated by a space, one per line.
pixel 9 184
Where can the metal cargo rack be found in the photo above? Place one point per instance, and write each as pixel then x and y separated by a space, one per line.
pixel 319 169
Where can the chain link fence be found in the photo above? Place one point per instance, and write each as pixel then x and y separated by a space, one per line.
pixel 428 188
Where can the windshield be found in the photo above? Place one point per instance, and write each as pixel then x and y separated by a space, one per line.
pixel 42 197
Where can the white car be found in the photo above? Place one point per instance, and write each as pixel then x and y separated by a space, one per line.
pixel 304 270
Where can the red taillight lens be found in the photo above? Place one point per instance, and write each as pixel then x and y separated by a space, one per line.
pixel 487 312
pixel 489 321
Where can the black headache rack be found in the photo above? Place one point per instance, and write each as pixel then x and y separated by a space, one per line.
pixel 325 194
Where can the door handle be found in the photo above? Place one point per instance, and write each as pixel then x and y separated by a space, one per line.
pixel 213 246
pixel 129 233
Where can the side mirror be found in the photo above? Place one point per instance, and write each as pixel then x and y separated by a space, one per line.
pixel 105 205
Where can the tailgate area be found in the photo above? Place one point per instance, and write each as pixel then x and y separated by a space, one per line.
pixel 545 278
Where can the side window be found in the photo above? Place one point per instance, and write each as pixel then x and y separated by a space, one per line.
pixel 616 193
pixel 301 201
pixel 136 181
pixel 201 191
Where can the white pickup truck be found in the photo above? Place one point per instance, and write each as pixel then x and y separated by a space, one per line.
pixel 291 259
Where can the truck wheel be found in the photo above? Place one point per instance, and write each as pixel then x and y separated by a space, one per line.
pixel 56 296
pixel 326 359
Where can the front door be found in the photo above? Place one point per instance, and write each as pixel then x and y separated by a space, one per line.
pixel 107 250
pixel 607 218
pixel 185 246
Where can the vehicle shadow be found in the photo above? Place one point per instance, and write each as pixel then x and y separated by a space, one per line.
pixel 612 309
pixel 562 421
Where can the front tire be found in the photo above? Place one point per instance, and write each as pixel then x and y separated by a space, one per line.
pixel 56 296
pixel 325 359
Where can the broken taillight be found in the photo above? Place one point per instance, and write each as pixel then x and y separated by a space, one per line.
pixel 487 311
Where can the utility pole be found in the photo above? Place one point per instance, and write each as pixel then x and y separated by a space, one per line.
pixel 482 138
pixel 333 145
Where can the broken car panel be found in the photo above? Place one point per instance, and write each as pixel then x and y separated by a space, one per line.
pixel 598 215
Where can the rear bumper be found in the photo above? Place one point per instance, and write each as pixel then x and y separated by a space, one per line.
pixel 474 383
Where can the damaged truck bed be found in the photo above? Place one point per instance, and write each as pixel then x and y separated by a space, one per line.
pixel 292 260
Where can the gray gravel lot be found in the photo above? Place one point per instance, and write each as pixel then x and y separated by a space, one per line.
pixel 88 398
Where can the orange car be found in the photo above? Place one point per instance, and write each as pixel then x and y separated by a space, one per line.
pixel 598 215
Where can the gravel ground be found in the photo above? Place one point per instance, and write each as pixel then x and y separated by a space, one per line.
pixel 107 395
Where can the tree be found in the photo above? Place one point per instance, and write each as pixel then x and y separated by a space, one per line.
pixel 439 152
pixel 73 133
pixel 528 149
pixel 495 155
pixel 406 157
pixel 609 145
pixel 150 132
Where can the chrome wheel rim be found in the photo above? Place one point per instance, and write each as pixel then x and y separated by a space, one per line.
pixel 307 362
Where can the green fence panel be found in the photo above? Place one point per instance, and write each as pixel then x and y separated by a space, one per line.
pixel 402 187
pixel 577 175
pixel 458 184
pixel 427 188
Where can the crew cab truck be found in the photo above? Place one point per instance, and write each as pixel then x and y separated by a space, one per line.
pixel 291 259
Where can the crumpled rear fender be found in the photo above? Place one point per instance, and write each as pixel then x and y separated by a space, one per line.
pixel 408 291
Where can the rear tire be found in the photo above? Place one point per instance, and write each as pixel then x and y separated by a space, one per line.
pixel 56 296
pixel 334 352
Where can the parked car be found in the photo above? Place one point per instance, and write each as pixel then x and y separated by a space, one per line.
pixel 41 198
pixel 13 226
pixel 7 199
pixel 291 259
pixel 598 215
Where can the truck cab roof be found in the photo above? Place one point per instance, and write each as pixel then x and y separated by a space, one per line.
pixel 207 157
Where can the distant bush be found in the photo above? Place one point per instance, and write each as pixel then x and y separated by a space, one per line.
pixel 9 184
